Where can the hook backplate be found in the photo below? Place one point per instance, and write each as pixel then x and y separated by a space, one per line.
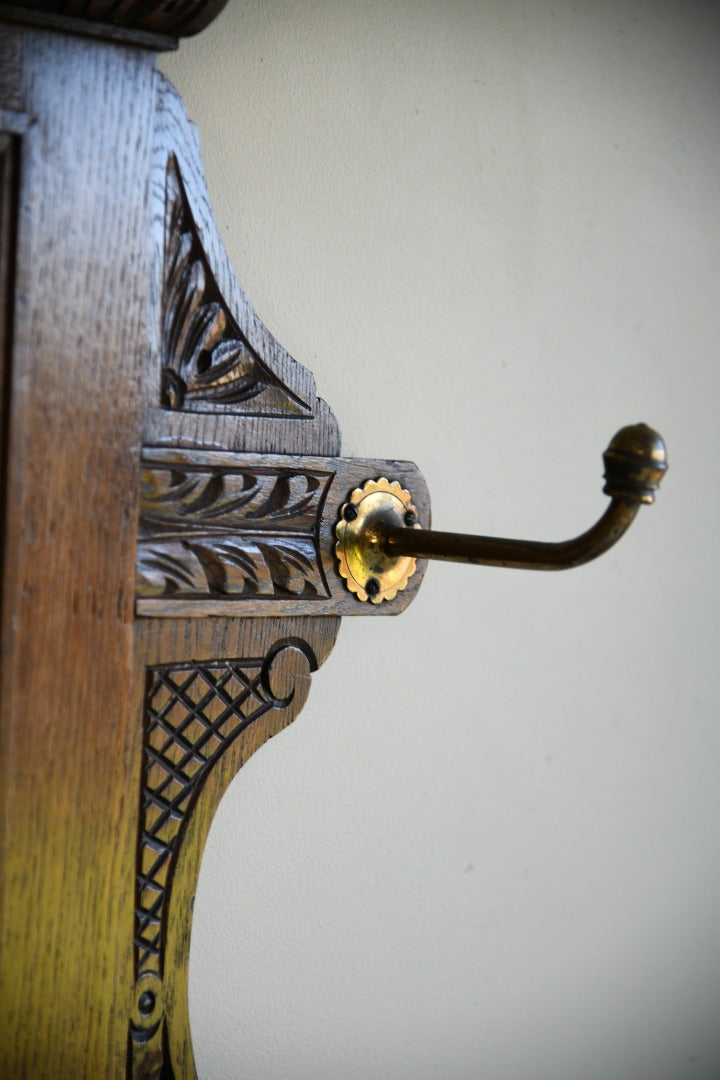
pixel 371 511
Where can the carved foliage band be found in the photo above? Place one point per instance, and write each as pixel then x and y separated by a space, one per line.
pixel 210 532
pixel 207 364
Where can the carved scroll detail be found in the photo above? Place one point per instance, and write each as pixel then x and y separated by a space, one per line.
pixel 193 712
pixel 208 364
pixel 233 533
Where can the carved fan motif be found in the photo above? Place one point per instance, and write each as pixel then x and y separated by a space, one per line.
pixel 208 365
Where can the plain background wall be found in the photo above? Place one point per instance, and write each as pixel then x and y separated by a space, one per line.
pixel 490 845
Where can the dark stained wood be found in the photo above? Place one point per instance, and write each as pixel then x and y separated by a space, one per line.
pixel 66 24
pixel 153 24
pixel 205 339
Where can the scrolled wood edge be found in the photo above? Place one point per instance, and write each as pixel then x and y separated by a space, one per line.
pixel 202 721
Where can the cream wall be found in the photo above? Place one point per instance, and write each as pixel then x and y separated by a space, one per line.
pixel 489 847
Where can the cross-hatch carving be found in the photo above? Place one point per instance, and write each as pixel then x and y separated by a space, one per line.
pixel 192 713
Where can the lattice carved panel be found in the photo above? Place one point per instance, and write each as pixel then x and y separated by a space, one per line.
pixel 193 712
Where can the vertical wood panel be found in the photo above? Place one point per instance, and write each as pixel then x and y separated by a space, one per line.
pixel 70 741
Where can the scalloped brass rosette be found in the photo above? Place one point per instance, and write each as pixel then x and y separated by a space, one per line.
pixel 371 511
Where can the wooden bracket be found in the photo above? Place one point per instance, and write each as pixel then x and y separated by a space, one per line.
pixel 172 483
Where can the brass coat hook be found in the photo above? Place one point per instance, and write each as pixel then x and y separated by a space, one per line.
pixel 379 536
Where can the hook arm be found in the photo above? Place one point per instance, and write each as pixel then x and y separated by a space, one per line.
pixel 635 462
pixel 516 554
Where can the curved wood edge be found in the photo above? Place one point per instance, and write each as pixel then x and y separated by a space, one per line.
pixel 285 652
pixel 188 866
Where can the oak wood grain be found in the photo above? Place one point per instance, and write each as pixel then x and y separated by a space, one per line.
pixel 68 733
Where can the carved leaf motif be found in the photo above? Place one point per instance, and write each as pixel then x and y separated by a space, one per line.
pixel 208 364
pixel 227 498
pixel 230 567
pixel 227 533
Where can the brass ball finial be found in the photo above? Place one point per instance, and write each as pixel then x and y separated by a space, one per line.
pixel 635 462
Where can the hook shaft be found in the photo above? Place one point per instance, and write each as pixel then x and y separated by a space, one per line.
pixel 517 554
pixel 635 462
